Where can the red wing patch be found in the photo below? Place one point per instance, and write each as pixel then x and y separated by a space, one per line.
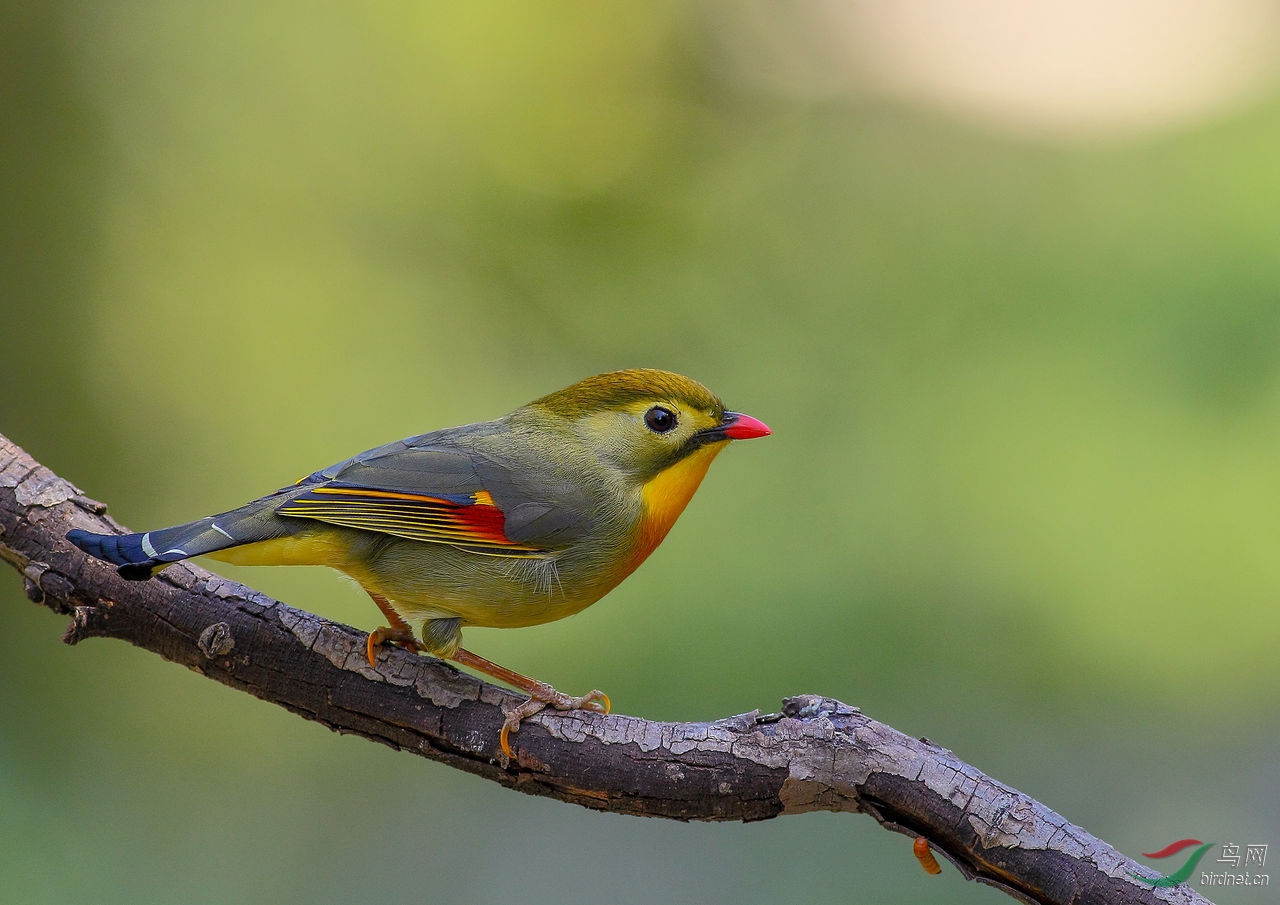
pixel 471 522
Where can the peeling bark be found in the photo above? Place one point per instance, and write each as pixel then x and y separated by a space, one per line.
pixel 816 754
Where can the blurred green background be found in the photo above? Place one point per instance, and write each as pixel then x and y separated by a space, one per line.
pixel 1019 345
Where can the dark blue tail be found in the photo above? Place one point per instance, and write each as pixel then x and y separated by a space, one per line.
pixel 139 556
pixel 125 550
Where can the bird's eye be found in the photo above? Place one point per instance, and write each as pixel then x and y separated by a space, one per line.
pixel 659 419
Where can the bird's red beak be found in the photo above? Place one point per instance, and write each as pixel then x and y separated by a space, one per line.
pixel 737 426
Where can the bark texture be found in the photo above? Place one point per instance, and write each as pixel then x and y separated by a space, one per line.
pixel 815 754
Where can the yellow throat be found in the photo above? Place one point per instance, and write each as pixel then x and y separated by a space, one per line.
pixel 665 497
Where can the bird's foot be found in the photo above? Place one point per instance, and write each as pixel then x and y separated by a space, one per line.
pixel 378 637
pixel 544 697
pixel 541 695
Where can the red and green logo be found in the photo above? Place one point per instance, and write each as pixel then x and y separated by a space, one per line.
pixel 1182 874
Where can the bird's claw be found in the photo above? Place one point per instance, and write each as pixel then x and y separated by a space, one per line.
pixel 596 701
pixel 380 636
pixel 512 722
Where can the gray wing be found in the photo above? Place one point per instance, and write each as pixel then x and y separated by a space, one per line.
pixel 450 486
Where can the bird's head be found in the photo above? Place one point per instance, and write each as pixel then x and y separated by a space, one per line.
pixel 643 421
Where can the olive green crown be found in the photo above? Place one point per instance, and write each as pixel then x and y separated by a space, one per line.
pixel 617 389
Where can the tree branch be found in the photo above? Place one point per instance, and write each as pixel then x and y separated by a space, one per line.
pixel 817 754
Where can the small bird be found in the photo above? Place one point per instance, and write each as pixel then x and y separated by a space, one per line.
pixel 512 522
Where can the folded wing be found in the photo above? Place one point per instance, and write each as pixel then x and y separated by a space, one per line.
pixel 450 487
pixel 468 521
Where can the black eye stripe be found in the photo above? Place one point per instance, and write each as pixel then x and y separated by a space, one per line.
pixel 660 419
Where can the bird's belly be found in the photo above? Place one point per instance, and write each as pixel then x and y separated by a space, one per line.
pixel 433 582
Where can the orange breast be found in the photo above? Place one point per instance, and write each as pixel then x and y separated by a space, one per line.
pixel 665 498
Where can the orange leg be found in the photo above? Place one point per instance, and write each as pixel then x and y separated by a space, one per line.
pixel 540 695
pixel 398 633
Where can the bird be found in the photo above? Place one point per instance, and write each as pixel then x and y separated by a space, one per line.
pixel 517 521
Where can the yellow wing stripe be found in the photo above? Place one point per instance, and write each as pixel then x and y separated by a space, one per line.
pixel 469 521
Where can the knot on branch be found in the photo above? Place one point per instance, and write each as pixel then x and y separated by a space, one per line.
pixel 39 583
pixel 86 622
pixel 808 706
pixel 216 640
